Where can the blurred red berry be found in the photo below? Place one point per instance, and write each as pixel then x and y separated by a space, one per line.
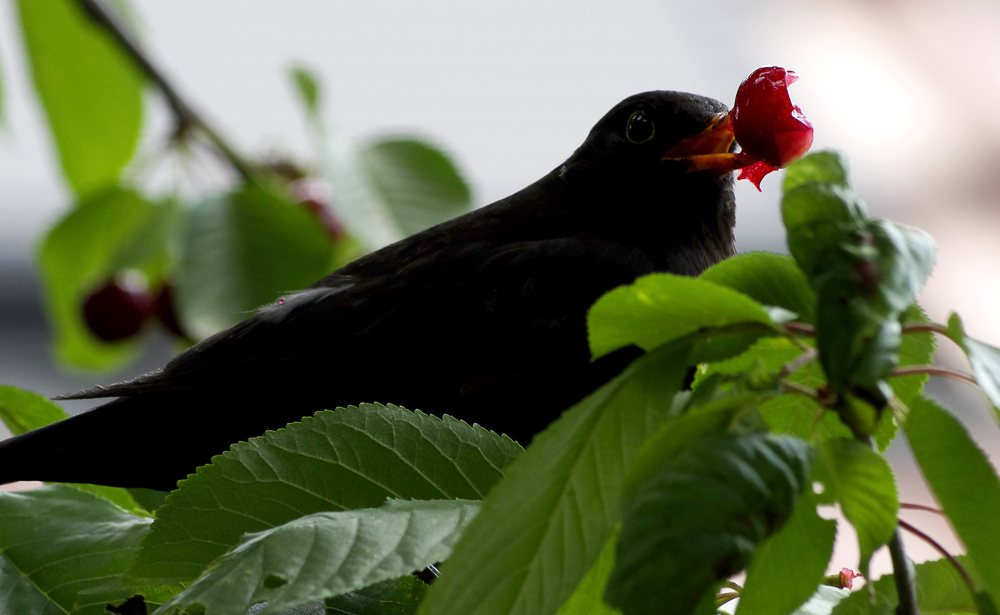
pixel 163 307
pixel 766 123
pixel 114 312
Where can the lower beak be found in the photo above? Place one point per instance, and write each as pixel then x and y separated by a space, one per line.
pixel 708 149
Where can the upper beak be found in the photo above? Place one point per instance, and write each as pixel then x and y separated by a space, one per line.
pixel 708 149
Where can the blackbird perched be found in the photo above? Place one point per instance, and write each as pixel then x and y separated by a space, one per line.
pixel 482 317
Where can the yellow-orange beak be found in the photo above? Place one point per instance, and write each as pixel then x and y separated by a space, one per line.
pixel 708 149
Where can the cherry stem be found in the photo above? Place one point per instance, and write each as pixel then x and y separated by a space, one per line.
pixel 801 389
pixel 723 598
pixel 792 366
pixel 940 549
pixel 736 587
pixel 917 327
pixel 930 509
pixel 800 327
pixel 186 116
pixel 933 370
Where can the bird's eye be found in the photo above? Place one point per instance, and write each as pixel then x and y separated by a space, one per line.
pixel 639 128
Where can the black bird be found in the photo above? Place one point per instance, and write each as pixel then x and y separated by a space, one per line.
pixel 482 317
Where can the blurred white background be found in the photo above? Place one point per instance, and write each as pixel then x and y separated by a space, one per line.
pixel 909 89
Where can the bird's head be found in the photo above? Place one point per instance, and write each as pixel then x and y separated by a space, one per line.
pixel 662 133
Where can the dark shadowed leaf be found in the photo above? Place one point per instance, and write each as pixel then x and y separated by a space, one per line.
pixel 789 566
pixel 108 232
pixel 700 518
pixel 57 542
pixel 327 554
pixel 863 483
pixel 769 279
pixel 337 460
pixel 400 596
pixel 963 482
pixel 91 92
pixel 243 250
pixel 543 527
pixel 661 307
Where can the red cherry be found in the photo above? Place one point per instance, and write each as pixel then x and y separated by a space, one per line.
pixel 766 123
pixel 311 194
pixel 163 307
pixel 114 312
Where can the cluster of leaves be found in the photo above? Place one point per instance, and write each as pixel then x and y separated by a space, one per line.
pixel 221 250
pixel 646 496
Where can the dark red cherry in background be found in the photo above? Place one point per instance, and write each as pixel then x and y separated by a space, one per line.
pixel 163 307
pixel 116 311
pixel 766 123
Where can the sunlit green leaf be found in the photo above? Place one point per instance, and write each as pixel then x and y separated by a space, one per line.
pixel 22 410
pixel 544 526
pixel 940 590
pixel 963 482
pixel 337 460
pixel 661 307
pixel 91 92
pixel 984 359
pixel 588 598
pixel 827 167
pixel 327 554
pixel 769 279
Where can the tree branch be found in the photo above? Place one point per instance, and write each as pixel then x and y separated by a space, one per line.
pixel 186 116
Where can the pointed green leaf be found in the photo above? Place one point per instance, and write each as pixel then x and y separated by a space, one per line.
pixel 543 527
pixel 699 519
pixel 826 167
pixel 308 88
pixel 335 460
pixel 984 359
pixel 661 307
pixel 769 279
pixel 243 250
pixel 90 90
pixel 327 554
pixel 863 483
pixel 56 542
pixel 588 598
pixel 416 183
pixel 963 482
pixel 794 559
pixel 23 411
pixel 84 250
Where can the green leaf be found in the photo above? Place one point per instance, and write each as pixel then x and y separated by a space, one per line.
pixel 662 307
pixel 823 601
pixel 984 359
pixel 243 250
pixel 699 519
pixel 83 251
pixel 395 597
pixel 326 554
pixel 769 279
pixel 307 87
pixel 91 92
pixel 818 218
pixel 826 166
pixel 543 527
pixel 588 599
pixel 57 542
pixel 416 184
pixel 23 411
pixel 940 590
pixel 963 482
pixel 336 460
pixel 862 482
pixel 793 559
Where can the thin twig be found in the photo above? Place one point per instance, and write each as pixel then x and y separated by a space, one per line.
pixel 183 113
pixel 801 389
pixel 933 327
pixel 940 549
pixel 792 366
pixel 721 599
pixel 930 509
pixel 733 585
pixel 933 370
pixel 799 327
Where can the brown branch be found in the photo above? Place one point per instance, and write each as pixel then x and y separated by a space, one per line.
pixel 930 509
pixel 799 327
pixel 183 113
pixel 940 549
pixel 792 366
pixel 933 370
